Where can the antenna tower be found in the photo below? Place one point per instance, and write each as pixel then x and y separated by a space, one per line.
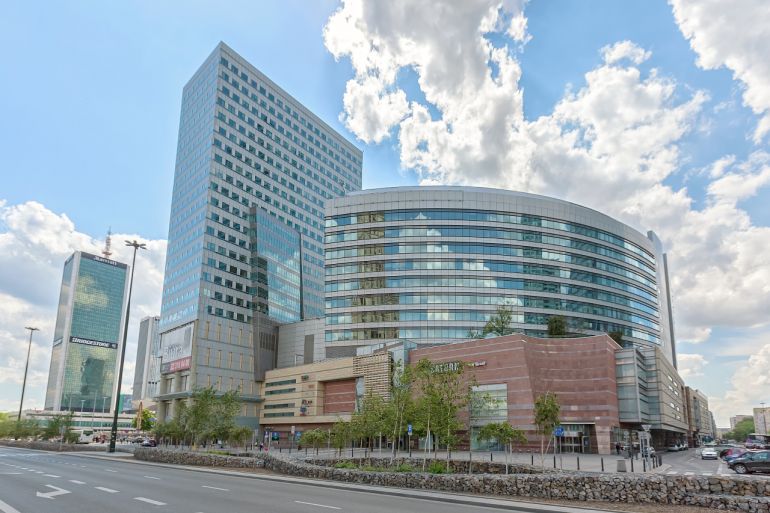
pixel 108 244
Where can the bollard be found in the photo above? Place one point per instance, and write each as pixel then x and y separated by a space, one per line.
pixel 578 460
pixel 554 461
pixel 366 452
pixel 490 456
pixel 644 465
pixel 532 458
pixel 305 451
pixel 470 462
pixel 632 464
pixel 280 449
pixel 602 464
pixel 351 451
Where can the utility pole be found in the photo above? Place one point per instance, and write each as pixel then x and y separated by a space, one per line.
pixel 26 368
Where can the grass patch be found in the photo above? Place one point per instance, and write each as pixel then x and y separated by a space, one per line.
pixel 437 467
pixel 345 464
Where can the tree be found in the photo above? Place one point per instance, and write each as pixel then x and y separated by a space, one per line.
pixel 401 403
pixel 238 435
pixel 499 324
pixel 546 419
pixel 340 434
pixel 617 336
pixel 147 423
pixel 741 430
pixel 367 422
pixel 443 392
pixel 314 438
pixel 503 433
pixel 59 425
pixel 557 327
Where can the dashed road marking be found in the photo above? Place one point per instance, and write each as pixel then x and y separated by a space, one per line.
pixel 76 481
pixel 215 488
pixel 109 470
pixel 51 475
pixel 317 505
pixel 151 477
pixel 150 501
pixel 108 490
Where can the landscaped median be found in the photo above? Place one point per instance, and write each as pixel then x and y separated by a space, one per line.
pixel 730 493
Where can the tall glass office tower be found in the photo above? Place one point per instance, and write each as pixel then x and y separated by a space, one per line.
pixel 254 170
pixel 88 335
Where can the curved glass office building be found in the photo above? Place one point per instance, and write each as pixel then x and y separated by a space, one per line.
pixel 432 264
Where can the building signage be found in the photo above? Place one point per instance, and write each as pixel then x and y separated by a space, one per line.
pixel 176 365
pixel 455 366
pixel 103 260
pixel 94 343
pixel 176 349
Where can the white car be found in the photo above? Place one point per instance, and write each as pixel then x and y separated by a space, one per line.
pixel 708 453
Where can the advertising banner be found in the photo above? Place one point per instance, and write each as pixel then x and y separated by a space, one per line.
pixel 176 349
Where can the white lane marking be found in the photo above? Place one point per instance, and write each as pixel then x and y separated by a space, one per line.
pixel 76 481
pixel 109 470
pixel 151 477
pixel 149 501
pixel 672 473
pixel 32 470
pixel 108 490
pixel 51 475
pixel 689 473
pixel 215 488
pixel 56 491
pixel 38 472
pixel 7 508
pixel 11 473
pixel 317 505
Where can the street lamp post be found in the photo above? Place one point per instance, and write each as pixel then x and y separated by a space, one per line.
pixel 26 368
pixel 114 432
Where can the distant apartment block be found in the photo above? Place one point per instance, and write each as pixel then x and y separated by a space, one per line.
pixel 148 361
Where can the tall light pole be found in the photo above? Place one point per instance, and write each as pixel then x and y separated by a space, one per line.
pixel 114 432
pixel 26 368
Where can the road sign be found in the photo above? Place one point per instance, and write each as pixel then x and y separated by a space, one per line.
pixel 409 429
pixel 646 427
pixel 293 429
pixel 559 431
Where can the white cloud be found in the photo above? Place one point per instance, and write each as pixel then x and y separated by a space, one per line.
pixel 611 144
pixel 736 37
pixel 749 385
pixel 34 242
pixel 691 365
pixel 624 50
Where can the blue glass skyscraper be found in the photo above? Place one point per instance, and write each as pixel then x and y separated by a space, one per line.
pixel 254 170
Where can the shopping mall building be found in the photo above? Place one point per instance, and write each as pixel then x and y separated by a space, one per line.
pixel 432 264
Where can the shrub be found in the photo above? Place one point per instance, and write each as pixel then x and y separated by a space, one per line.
pixel 404 467
pixel 345 464
pixel 437 467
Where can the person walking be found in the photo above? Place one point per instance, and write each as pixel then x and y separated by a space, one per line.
pixel 617 448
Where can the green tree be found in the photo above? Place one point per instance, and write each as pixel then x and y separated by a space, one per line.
pixel 546 419
pixel 741 430
pixel 147 423
pixel 238 436
pixel 340 434
pixel 557 327
pixel 400 406
pixel 505 434
pixel 499 324
pixel 59 425
pixel 617 336
pixel 314 438
pixel 368 421
pixel 443 391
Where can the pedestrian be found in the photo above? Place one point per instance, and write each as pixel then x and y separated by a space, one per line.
pixel 261 446
pixel 617 448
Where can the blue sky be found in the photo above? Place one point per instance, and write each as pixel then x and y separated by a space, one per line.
pixel 92 92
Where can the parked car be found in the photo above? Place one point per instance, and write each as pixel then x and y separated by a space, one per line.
pixel 757 461
pixel 731 451
pixel 149 442
pixel 672 448
pixel 648 452
pixel 708 453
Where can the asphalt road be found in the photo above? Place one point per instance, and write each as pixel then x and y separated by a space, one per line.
pixel 42 482
pixel 689 463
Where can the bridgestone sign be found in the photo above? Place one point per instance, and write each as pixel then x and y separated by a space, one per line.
pixel 94 343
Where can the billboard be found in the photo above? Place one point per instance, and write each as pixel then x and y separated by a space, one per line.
pixel 176 349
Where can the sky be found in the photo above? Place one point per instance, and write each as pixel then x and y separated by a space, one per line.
pixel 656 113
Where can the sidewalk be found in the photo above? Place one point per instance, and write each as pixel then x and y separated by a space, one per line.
pixel 568 461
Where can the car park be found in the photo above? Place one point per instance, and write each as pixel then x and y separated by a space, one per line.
pixel 708 453
pixel 754 461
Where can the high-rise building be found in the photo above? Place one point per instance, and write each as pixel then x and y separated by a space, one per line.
pixel 254 171
pixel 432 264
pixel 739 418
pixel 88 335
pixel 147 370
pixel 762 420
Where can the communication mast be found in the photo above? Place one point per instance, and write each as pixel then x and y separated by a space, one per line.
pixel 108 244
